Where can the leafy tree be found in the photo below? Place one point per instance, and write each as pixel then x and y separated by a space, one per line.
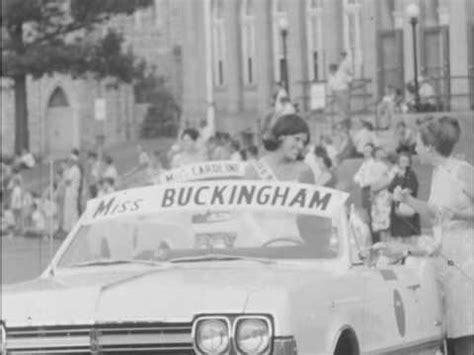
pixel 163 113
pixel 41 37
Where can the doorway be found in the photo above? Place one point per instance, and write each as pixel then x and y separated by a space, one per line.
pixel 390 69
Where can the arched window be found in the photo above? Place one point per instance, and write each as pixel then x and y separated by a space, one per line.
pixel 352 35
pixel 316 54
pixel 279 14
pixel 248 41
pixel 219 41
pixel 58 98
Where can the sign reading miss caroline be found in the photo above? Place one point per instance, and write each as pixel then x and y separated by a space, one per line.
pixel 203 171
pixel 258 195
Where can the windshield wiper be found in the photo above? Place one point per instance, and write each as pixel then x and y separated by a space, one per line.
pixel 104 262
pixel 218 257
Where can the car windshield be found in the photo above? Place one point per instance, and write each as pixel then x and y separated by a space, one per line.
pixel 201 233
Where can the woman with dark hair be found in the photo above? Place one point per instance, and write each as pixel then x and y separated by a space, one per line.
pixel 404 222
pixel 190 152
pixel 451 210
pixel 285 144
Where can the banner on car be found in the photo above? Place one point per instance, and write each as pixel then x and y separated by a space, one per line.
pixel 219 195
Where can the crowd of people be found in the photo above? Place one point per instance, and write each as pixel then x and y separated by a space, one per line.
pixel 57 208
pixel 387 180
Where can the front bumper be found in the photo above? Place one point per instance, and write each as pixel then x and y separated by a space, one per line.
pixel 284 346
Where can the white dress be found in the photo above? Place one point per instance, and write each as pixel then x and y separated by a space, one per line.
pixel 456 264
pixel 71 197
pixel 274 225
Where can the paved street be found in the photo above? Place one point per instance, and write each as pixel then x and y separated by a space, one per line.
pixel 24 258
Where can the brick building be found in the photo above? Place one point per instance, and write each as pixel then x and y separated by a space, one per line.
pixel 245 62
pixel 247 52
pixel 61 111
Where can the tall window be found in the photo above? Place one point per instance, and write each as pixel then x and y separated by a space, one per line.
pixel 352 35
pixel 248 41
pixel 316 54
pixel 279 13
pixel 219 41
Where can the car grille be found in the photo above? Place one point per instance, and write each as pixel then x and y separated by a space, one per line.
pixel 130 338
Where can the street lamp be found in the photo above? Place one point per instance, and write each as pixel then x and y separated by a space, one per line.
pixel 283 25
pixel 413 12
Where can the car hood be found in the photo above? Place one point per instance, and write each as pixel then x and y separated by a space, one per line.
pixel 175 293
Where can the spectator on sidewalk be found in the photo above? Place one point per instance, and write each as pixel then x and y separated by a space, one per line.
pixel 16 203
pixel 93 173
pixel 338 85
pixel 143 158
pixel 107 186
pixel 364 136
pixel 37 227
pixel 405 138
pixel 59 193
pixel 404 222
pixel 328 144
pixel 380 196
pixel 190 152
pixel 26 160
pixel 364 178
pixel 386 108
pixel 110 171
pixel 251 153
pixel 326 176
pixel 72 195
pixel 343 143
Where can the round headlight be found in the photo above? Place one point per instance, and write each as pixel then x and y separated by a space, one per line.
pixel 212 336
pixel 252 335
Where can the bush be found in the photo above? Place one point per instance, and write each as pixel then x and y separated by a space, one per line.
pixel 162 116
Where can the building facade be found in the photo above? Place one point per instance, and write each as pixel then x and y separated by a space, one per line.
pixel 66 113
pixel 248 57
pixel 235 67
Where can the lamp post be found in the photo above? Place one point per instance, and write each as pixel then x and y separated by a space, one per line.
pixel 413 12
pixel 283 25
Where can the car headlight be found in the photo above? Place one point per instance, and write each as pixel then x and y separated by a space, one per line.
pixel 212 335
pixel 253 335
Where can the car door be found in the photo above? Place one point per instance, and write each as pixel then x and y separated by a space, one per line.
pixel 378 328
pixel 420 294
pixel 403 309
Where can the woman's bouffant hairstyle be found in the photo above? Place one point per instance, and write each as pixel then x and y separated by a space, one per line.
pixel 441 133
pixel 286 125
pixel 191 132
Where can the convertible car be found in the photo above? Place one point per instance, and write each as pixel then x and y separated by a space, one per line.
pixel 222 267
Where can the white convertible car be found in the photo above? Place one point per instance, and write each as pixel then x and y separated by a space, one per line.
pixel 221 267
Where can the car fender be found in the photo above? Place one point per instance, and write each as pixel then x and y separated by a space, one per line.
pixel 339 323
pixel 336 335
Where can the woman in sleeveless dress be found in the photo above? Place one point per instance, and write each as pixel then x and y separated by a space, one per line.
pixel 284 143
pixel 451 208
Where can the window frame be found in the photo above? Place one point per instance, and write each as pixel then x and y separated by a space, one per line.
pixel 219 42
pixel 248 49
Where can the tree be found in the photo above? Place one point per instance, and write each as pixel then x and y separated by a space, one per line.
pixel 162 116
pixel 41 37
